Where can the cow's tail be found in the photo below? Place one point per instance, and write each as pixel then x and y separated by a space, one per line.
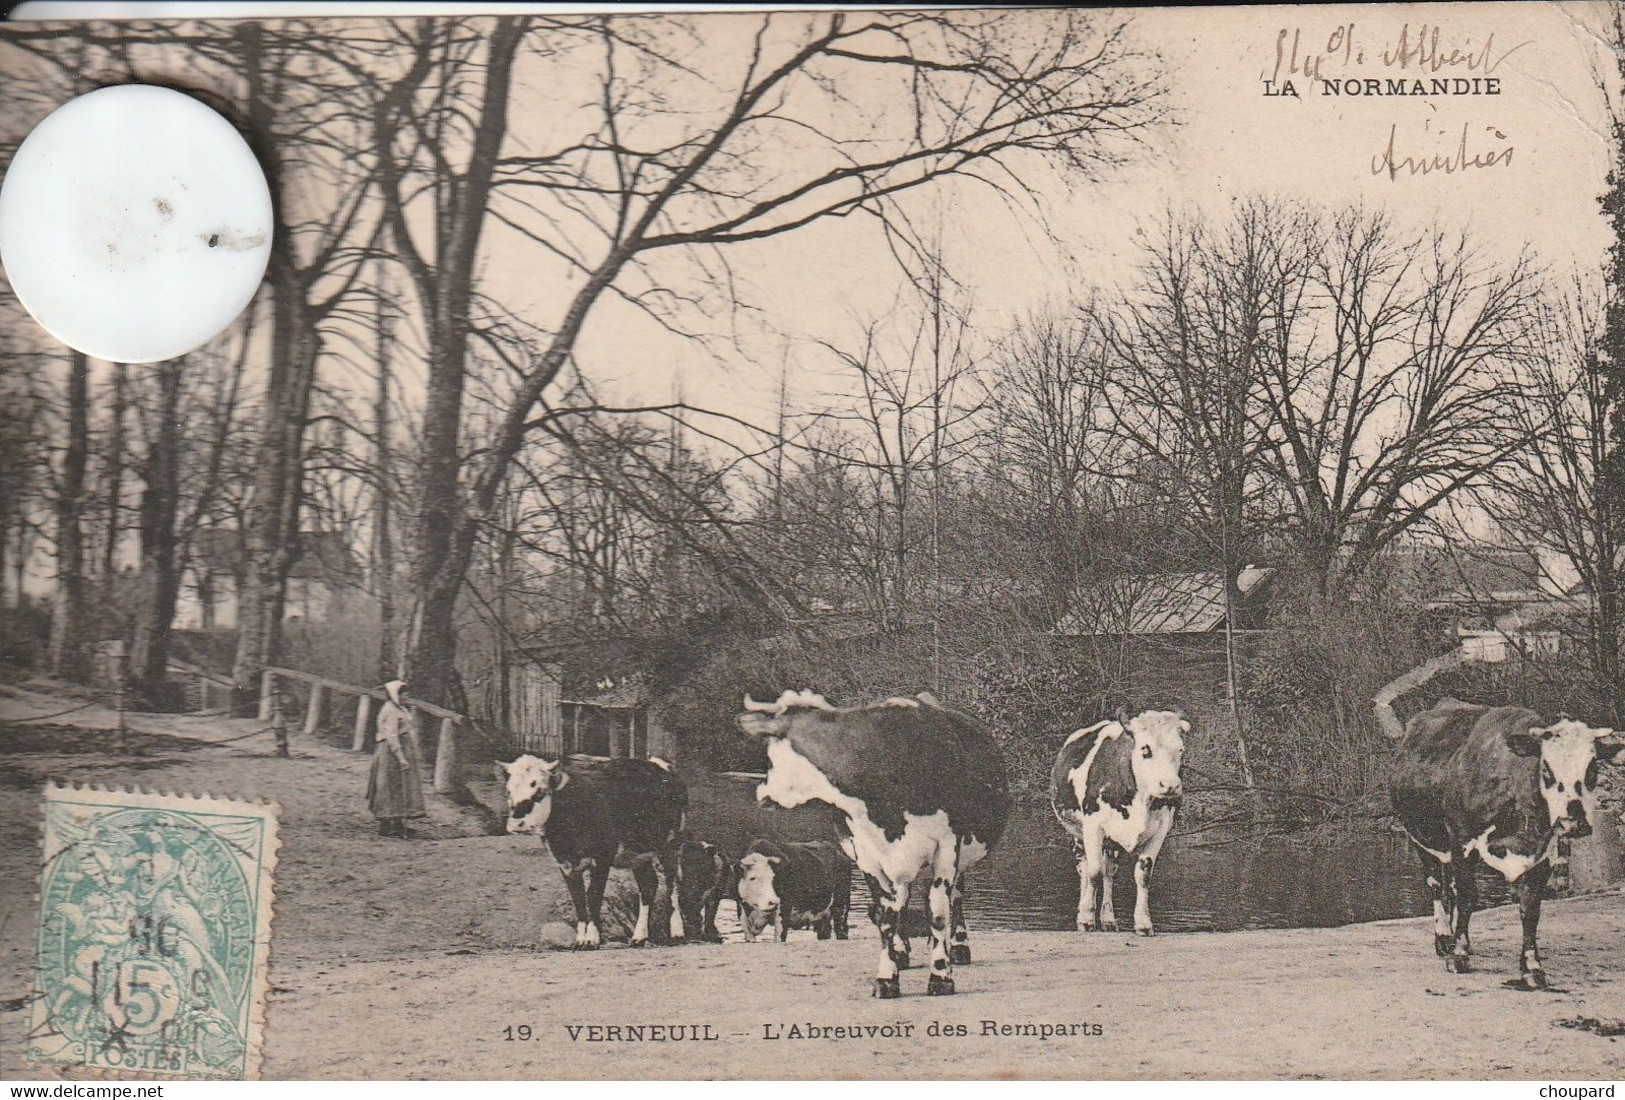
pixel 1383 703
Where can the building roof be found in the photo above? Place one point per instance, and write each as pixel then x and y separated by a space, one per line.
pixel 1161 603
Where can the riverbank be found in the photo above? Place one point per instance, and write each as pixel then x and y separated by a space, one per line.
pixel 396 959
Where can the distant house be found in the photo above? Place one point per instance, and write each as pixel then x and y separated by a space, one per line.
pixel 214 578
pixel 1167 603
pixel 1498 601
pixel 1501 645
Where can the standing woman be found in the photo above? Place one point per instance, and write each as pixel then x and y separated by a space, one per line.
pixel 395 787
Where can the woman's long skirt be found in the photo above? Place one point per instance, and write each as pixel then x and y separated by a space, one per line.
pixel 393 789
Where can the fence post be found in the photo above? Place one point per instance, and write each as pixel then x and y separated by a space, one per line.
pixel 267 689
pixel 448 777
pixel 279 722
pixel 313 712
pixel 363 714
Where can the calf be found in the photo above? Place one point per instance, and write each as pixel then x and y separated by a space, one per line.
pixel 794 886
pixel 1115 788
pixel 922 792
pixel 596 813
pixel 705 876
pixel 1498 785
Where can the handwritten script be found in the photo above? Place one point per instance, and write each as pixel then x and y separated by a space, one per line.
pixel 1423 61
pixel 1422 50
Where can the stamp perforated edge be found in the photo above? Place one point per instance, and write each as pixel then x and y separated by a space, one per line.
pixel 269 811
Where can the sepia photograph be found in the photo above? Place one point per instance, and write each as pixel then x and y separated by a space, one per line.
pixel 1004 543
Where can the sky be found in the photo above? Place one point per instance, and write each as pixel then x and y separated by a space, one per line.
pixel 1227 139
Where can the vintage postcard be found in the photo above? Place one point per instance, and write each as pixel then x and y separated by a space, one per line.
pixel 1045 543
pixel 154 934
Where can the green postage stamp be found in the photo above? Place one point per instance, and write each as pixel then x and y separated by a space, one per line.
pixel 154 933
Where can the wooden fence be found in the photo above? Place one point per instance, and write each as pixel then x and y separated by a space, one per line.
pixel 201 686
pixel 448 777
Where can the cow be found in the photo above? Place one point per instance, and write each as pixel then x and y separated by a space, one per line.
pixel 910 922
pixel 922 792
pixel 706 878
pixel 1116 788
pixel 594 813
pixel 1501 786
pixel 806 885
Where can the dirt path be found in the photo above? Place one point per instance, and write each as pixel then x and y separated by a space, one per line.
pixel 409 959
pixel 1366 1001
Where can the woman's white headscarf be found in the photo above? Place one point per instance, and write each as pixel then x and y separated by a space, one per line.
pixel 393 689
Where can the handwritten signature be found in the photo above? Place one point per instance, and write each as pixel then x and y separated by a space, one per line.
pixel 1423 49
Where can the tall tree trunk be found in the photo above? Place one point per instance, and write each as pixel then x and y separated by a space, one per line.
pixel 114 461
pixel 1605 641
pixel 67 655
pixel 383 545
pixel 19 561
pixel 1610 471
pixel 446 526
pixel 270 543
pixel 160 574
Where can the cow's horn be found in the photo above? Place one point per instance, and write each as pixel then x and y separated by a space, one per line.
pixel 760 708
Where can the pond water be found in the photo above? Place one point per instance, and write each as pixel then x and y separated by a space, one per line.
pixel 1204 881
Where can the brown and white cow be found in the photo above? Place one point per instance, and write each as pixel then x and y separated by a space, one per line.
pixel 596 813
pixel 923 794
pixel 1497 785
pixel 1116 788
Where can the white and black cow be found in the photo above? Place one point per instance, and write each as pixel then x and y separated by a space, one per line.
pixel 1497 785
pixel 596 813
pixel 807 885
pixel 1116 788
pixel 923 794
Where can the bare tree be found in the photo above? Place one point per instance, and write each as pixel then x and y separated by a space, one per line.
pixel 1610 484
pixel 67 655
pixel 112 464
pixel 905 426
pixel 160 565
pixel 1552 493
pixel 305 114
pixel 24 462
pixel 1050 453
pixel 1315 383
pixel 684 159
pixel 1189 392
pixel 383 516
pixel 1389 373
pixel 442 102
